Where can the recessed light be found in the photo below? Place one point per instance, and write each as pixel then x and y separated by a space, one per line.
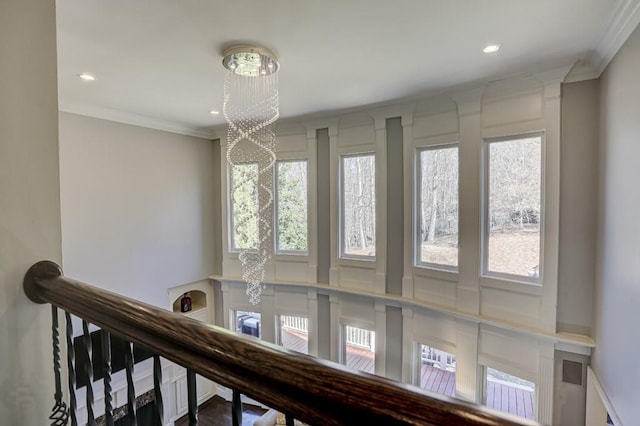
pixel 491 48
pixel 214 112
pixel 85 76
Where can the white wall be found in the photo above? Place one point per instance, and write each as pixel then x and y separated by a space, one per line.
pixel 617 295
pixel 137 207
pixel 29 204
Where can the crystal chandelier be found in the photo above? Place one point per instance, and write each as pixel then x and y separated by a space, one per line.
pixel 251 109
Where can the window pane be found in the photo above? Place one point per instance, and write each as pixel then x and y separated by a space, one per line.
pixel 244 205
pixel 360 349
pixel 294 333
pixel 510 394
pixel 248 323
pixel 359 205
pixel 437 371
pixel 439 207
pixel 292 206
pixel 514 206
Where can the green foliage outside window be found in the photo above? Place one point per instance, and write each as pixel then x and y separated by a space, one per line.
pixel 244 202
pixel 292 206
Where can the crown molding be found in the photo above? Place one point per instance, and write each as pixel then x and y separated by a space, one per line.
pixel 136 120
pixel 624 20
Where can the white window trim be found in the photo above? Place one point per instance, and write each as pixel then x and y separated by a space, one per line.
pixel 276 250
pixel 417 202
pixel 485 274
pixel 341 254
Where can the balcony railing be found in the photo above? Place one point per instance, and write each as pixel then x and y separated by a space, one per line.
pixel 312 390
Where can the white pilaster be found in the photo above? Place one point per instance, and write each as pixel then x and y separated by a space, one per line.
pixel 408 351
pixel 381 338
pixel 409 211
pixel 551 205
pixel 335 333
pixel 312 297
pixel 334 272
pixel 468 386
pixel 469 130
pixel 381 207
pixel 545 389
pixel 312 205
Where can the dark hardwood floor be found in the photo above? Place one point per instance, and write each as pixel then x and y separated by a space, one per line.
pixel 217 411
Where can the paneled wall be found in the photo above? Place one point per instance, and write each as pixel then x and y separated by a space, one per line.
pixel 485 321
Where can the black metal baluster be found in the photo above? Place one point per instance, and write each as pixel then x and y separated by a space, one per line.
pixel 59 413
pixel 106 358
pixel 288 420
pixel 88 370
pixel 236 409
pixel 72 372
pixel 192 397
pixel 131 391
pixel 158 412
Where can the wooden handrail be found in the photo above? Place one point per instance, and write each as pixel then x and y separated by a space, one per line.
pixel 312 390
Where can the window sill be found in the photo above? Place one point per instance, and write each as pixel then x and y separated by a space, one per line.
pixel 435 273
pixel 522 287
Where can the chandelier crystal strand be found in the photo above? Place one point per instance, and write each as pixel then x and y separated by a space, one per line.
pixel 251 110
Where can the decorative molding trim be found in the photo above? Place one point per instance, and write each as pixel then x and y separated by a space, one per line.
pixel 137 120
pixel 624 20
pixel 409 305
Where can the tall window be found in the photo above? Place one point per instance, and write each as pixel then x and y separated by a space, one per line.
pixel 513 214
pixel 358 206
pixel 509 393
pixel 294 333
pixel 438 207
pixel 359 349
pixel 244 206
pixel 291 206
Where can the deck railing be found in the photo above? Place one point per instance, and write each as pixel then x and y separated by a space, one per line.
pixel 312 390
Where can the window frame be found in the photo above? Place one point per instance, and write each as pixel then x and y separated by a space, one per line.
pixel 276 204
pixel 417 203
pixel 231 210
pixel 341 206
pixel 485 195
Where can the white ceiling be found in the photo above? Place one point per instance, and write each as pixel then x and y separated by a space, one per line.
pixel 158 62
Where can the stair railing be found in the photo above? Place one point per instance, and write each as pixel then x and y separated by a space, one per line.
pixel 312 390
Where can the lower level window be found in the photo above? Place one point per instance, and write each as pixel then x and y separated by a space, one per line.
pixel 437 372
pixel 294 333
pixel 359 349
pixel 511 394
pixel 248 323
